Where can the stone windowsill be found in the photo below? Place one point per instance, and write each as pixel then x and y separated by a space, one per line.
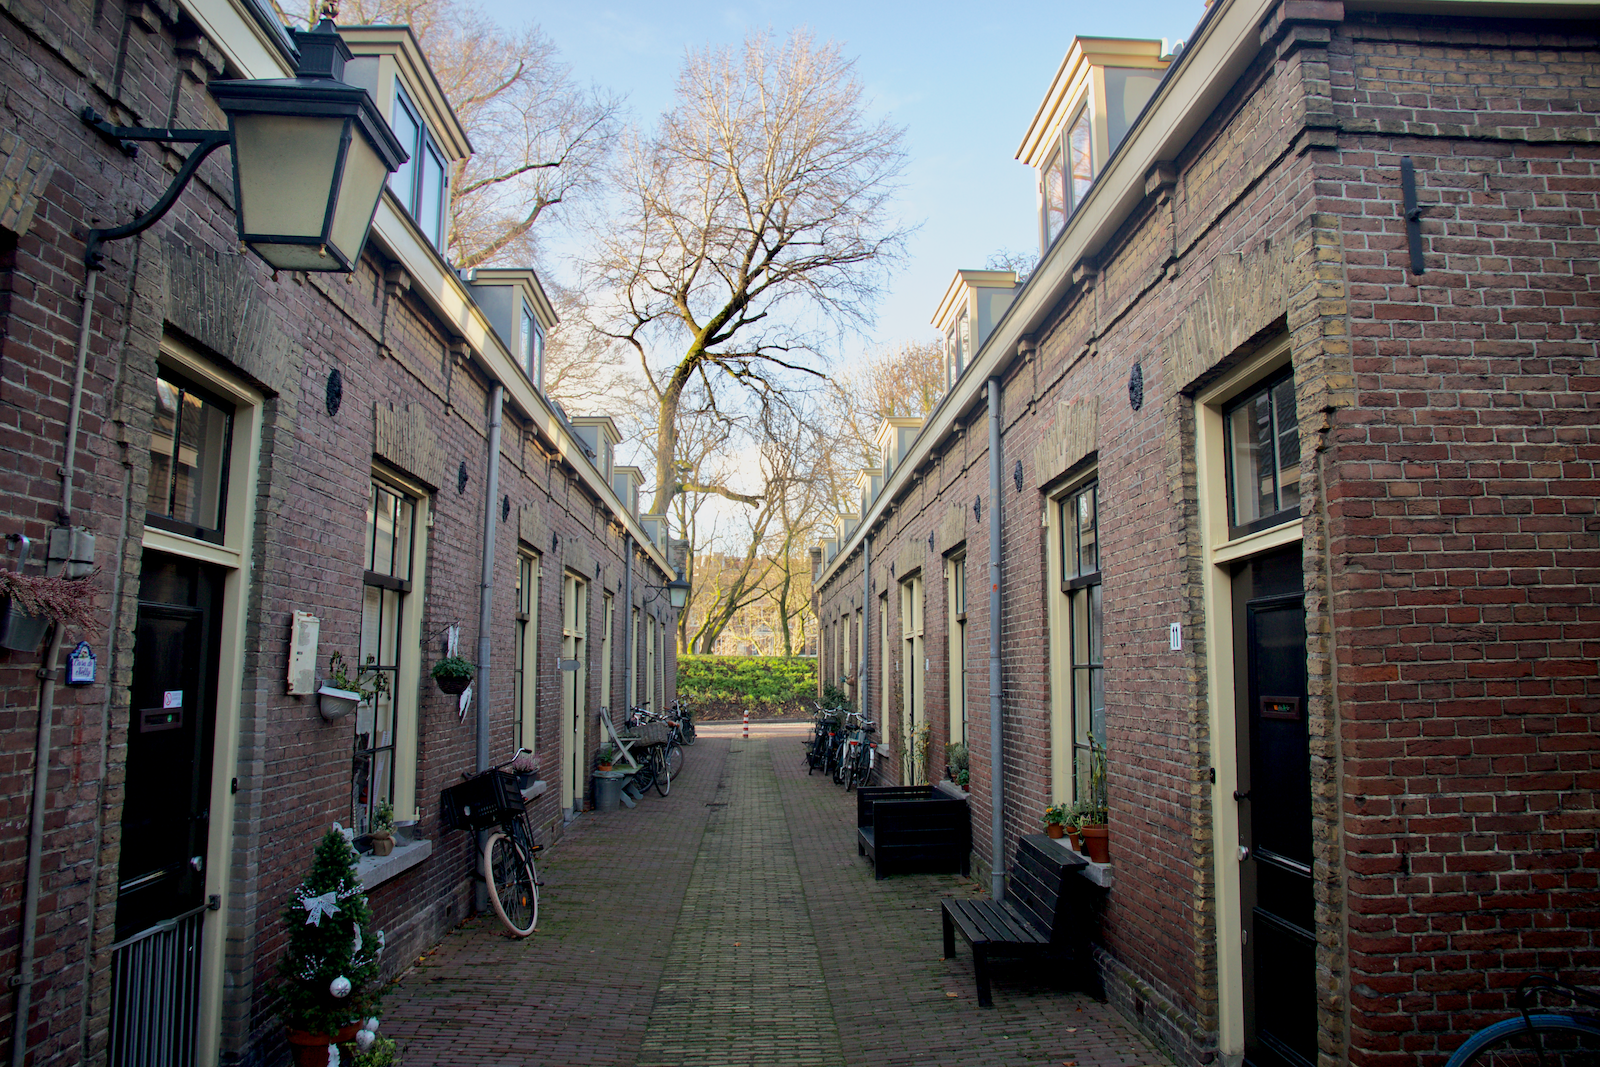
pixel 1098 873
pixel 375 870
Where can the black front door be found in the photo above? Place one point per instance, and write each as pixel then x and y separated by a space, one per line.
pixel 1275 812
pixel 166 810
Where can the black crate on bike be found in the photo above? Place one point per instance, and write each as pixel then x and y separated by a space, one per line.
pixel 481 802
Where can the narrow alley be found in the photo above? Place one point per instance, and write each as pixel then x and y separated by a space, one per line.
pixel 748 931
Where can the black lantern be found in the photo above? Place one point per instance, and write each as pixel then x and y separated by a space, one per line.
pixel 310 157
pixel 678 592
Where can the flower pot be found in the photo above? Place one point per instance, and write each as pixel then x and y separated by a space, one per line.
pixel 604 767
pixel 1075 836
pixel 454 684
pixel 19 631
pixel 1097 843
pixel 311 1050
pixel 1055 829
pixel 335 703
pixel 382 844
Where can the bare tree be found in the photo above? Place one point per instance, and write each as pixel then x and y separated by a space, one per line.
pixel 759 206
pixel 906 379
pixel 539 138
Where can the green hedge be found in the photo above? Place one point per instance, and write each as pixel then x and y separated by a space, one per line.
pixel 756 679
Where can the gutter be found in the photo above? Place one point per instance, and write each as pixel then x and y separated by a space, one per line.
pixel 491 490
pixel 997 884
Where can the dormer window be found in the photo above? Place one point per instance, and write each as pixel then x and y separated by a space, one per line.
pixel 420 183
pixel 1067 175
pixel 532 347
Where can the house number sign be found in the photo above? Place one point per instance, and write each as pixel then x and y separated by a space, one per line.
pixel 81 665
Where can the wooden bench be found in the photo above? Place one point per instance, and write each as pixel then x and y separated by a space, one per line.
pixel 912 828
pixel 1035 920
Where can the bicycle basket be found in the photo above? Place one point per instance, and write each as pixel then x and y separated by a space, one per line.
pixel 482 801
pixel 647 734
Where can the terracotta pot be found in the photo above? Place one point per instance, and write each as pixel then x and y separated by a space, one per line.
pixel 1097 843
pixel 382 844
pixel 1055 829
pixel 311 1050
pixel 1076 838
pixel 605 767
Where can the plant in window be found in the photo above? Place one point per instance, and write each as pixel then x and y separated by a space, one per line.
pixel 955 769
pixel 454 674
pixel 1093 816
pixel 1055 819
pixel 381 829
pixel 343 689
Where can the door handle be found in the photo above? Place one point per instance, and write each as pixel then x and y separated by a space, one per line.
pixel 197 862
pixel 1244 853
pixel 1241 796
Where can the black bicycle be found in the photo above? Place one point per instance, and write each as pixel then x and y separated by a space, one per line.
pixel 1538 1038
pixel 683 719
pixel 660 757
pixel 491 800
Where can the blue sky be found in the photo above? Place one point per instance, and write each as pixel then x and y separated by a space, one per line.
pixel 963 79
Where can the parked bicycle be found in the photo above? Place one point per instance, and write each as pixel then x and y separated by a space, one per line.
pixel 683 715
pixel 861 752
pixel 492 800
pixel 660 758
pixel 1538 1037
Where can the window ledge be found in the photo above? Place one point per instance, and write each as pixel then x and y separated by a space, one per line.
pixel 1098 873
pixel 376 870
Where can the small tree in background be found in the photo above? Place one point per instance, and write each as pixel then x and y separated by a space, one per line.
pixel 327 977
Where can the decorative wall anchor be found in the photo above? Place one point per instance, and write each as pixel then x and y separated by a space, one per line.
pixel 505 508
pixel 461 478
pixel 977 508
pixel 1017 474
pixel 1136 387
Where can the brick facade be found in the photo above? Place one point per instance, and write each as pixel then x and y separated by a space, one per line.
pixel 1448 437
pixel 415 394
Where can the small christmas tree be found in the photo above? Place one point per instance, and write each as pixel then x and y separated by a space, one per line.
pixel 326 977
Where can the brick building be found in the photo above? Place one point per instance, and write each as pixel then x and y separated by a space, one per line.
pixel 1288 497
pixel 268 468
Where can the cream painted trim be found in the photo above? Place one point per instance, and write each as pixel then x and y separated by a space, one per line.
pixel 238 533
pixel 530 648
pixel 1217 595
pixel 408 678
pixel 1058 618
pixel 229 26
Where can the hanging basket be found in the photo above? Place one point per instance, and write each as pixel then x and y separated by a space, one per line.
pixel 454 684
pixel 335 703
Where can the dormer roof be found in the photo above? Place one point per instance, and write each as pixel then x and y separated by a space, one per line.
pixel 956 295
pixel 1073 81
pixel 393 51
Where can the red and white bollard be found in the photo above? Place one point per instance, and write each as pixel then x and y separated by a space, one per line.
pixel 747 724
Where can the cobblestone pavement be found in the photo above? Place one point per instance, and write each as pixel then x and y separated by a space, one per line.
pixel 732 923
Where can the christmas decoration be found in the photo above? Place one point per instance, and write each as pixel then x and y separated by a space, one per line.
pixel 328 977
pixel 364 1039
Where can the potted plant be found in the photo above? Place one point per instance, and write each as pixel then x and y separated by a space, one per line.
pixel 604 755
pixel 523 767
pixel 342 691
pixel 381 830
pixel 1055 817
pixel 1093 814
pixel 328 976
pixel 454 674
pixel 955 767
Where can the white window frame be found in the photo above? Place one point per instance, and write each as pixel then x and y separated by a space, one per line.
pixel 422 146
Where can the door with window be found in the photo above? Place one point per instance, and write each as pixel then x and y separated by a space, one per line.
pixel 914 669
pixel 574 686
pixel 1274 799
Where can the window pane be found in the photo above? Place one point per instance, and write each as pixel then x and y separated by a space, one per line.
pixel 161 446
pixel 1055 198
pixel 430 200
pixel 381 522
pixel 1288 429
pixel 529 364
pixel 1088 557
pixel 1244 463
pixel 406 128
pixel 1078 159
pixel 405 511
pixel 201 463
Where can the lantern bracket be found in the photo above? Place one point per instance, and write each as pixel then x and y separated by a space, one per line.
pixel 205 142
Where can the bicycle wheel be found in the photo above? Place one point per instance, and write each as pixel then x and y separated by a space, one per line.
pixel 674 760
pixel 688 730
pixel 513 892
pixel 663 773
pixel 645 776
pixel 1555 1041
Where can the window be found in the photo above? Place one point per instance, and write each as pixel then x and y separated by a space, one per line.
pixel 574 685
pixel 1261 434
pixel 189 445
pixel 532 347
pixel 957 598
pixel 634 651
pixel 883 659
pixel 420 184
pixel 525 684
pixel 913 655
pixel 1079 518
pixel 1066 176
pixel 391 532
pixel 958 347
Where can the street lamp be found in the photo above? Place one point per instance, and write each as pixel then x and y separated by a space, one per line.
pixel 677 592
pixel 310 156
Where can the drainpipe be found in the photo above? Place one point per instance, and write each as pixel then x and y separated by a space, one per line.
pixel 866 618
pixel 627 621
pixel 996 823
pixel 491 490
pixel 49 671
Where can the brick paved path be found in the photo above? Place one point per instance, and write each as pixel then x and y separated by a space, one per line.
pixel 732 923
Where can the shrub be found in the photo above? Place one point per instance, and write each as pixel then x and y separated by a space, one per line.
pixel 756 679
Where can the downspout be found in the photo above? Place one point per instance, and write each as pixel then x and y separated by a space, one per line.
pixel 866 618
pixel 627 622
pixel 48 673
pixel 491 490
pixel 997 864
